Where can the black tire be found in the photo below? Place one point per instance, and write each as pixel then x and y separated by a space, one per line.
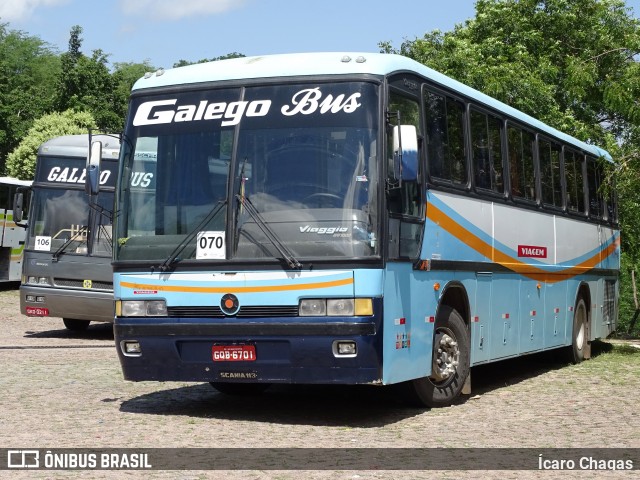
pixel 579 334
pixel 450 363
pixel 241 389
pixel 76 325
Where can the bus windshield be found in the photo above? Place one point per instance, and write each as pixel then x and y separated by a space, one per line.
pixel 295 167
pixel 60 220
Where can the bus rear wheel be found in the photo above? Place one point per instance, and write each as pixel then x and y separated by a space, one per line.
pixel 580 333
pixel 450 363
pixel 76 325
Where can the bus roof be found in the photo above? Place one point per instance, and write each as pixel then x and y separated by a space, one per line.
pixel 337 63
pixel 78 146
pixel 15 181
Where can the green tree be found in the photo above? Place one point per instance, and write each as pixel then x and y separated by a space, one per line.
pixel 69 85
pixel 21 161
pixel 123 77
pixel 571 63
pixel 568 62
pixel 28 71
pixel 85 83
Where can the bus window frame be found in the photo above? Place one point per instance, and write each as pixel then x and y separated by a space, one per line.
pixel 599 182
pixel 438 181
pixel 584 213
pixel 552 141
pixel 522 201
pixel 485 192
pixel 420 218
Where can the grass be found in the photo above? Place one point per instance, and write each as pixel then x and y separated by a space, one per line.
pixel 616 362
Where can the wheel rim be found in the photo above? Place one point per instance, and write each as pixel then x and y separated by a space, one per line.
pixel 446 355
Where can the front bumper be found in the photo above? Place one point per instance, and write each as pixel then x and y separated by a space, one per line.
pixel 287 350
pixel 67 303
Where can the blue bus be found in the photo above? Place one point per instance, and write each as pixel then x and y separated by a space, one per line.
pixel 352 218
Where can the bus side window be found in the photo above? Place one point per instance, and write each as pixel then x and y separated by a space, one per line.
pixel 574 181
pixel 446 155
pixel 407 199
pixel 594 182
pixel 5 196
pixel 521 168
pixel 550 173
pixel 486 141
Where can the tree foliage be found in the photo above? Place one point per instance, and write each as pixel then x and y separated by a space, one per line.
pixel 28 69
pixel 21 162
pixel 86 84
pixel 568 62
pixel 571 63
pixel 123 77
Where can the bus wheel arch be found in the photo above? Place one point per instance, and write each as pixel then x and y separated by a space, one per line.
pixel 76 325
pixel 455 296
pixel 451 353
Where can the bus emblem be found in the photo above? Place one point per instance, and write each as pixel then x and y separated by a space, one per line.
pixel 229 304
pixel 87 284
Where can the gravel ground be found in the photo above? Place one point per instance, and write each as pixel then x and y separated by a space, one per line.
pixel 65 390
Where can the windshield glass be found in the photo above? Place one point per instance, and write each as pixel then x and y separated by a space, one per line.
pixel 304 156
pixel 61 216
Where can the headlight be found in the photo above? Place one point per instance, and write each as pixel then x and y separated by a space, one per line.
pixel 38 280
pixel 336 307
pixel 156 308
pixel 313 307
pixel 133 308
pixel 143 308
pixel 340 307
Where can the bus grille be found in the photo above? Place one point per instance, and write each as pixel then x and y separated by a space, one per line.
pixel 244 312
pixel 74 283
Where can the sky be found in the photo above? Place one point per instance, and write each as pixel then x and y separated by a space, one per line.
pixel 163 32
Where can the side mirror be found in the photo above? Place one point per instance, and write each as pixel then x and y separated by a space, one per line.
pixel 405 148
pixel 92 179
pixel 18 205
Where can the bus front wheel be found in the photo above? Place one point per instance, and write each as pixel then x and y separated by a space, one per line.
pixel 450 363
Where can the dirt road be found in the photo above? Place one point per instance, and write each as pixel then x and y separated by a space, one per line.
pixel 61 389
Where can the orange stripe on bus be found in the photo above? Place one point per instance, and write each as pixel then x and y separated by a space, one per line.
pixel 530 271
pixel 232 289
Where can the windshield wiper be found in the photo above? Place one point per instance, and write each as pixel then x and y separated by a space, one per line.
pixel 284 251
pixel 173 256
pixel 102 229
pixel 83 231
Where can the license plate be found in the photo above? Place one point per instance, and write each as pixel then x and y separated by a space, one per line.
pixel 37 312
pixel 234 353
